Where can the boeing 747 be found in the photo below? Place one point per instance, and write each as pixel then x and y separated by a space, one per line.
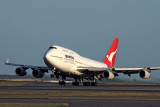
pixel 64 63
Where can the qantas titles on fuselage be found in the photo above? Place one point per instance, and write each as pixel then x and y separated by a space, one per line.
pixel 64 63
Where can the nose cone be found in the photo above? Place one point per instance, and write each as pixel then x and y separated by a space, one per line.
pixel 46 58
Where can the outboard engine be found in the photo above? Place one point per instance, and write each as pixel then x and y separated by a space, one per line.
pixel 21 71
pixel 145 74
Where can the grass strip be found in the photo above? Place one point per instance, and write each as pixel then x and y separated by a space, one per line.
pixel 34 105
pixel 76 94
pixel 11 83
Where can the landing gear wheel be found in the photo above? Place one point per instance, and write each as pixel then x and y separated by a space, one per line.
pixel 86 83
pixel 75 83
pixel 93 83
pixel 62 83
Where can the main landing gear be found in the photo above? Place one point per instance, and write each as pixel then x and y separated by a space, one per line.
pixel 89 83
pixel 62 83
pixel 75 83
pixel 85 83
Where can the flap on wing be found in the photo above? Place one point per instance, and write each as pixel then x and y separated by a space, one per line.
pixel 128 69
pixel 93 69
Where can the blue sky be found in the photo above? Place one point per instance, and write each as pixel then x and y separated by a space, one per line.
pixel 28 28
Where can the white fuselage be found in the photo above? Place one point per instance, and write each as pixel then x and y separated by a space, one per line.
pixel 67 60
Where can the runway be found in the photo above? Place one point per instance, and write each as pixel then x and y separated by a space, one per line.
pixel 103 95
pixel 91 102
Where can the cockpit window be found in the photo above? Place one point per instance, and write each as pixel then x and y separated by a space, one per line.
pixel 52 47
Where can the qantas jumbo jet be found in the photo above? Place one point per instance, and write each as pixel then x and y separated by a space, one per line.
pixel 67 63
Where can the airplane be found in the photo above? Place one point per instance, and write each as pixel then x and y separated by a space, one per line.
pixel 64 63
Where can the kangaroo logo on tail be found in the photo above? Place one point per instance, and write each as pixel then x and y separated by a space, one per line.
pixel 111 55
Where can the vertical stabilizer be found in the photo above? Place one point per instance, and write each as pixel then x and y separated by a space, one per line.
pixel 111 55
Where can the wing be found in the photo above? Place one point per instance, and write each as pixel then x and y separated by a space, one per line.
pixel 28 66
pixel 116 70
pixel 134 70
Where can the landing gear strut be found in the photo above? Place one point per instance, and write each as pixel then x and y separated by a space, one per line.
pixel 52 76
pixel 76 83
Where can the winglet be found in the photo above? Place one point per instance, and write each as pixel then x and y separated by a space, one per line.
pixel 7 61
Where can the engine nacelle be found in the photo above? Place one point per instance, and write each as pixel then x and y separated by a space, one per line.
pixel 38 73
pixel 108 75
pixel 144 74
pixel 20 71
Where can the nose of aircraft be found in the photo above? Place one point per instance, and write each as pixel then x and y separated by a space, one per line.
pixel 46 56
pixel 47 59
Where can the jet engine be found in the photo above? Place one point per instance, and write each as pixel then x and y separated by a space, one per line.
pixel 108 75
pixel 145 74
pixel 21 71
pixel 38 73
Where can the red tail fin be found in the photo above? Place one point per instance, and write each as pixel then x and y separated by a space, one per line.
pixel 111 55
